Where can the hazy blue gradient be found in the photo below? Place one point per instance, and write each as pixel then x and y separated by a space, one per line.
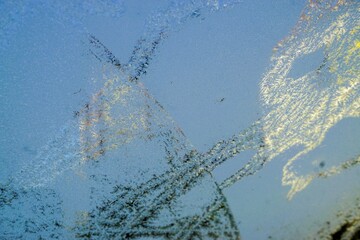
pixel 206 74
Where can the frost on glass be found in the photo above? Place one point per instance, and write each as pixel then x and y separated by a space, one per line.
pixel 303 109
pixel 121 167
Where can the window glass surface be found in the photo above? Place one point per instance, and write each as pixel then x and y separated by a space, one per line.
pixel 169 119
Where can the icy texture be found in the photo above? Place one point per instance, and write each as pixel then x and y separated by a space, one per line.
pixel 120 129
pixel 302 110
pixel 138 173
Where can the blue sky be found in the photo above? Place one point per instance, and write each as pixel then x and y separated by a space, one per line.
pixel 206 75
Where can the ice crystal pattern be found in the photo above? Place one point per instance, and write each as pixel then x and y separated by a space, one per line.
pixel 177 197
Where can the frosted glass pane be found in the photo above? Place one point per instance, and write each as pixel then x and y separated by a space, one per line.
pixel 193 119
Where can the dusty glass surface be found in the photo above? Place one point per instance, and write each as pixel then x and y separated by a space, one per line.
pixel 192 119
